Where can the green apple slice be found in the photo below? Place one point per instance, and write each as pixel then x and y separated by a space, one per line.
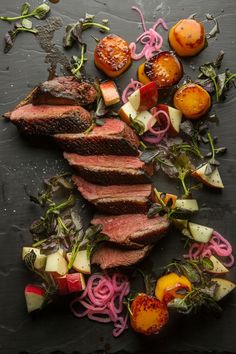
pixel 200 233
pixel 224 288
pixel 188 204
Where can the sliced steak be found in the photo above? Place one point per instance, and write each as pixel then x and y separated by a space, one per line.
pixel 49 120
pixel 110 256
pixel 110 169
pixel 114 137
pixel 65 90
pixel 116 199
pixel 132 230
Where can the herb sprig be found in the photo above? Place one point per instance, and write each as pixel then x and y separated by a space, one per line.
pixel 73 35
pixel 25 25
pixel 212 80
pixel 203 288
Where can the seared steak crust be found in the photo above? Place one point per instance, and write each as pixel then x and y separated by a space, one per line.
pixel 132 230
pixel 113 138
pixel 110 169
pixel 116 199
pixel 49 120
pixel 65 90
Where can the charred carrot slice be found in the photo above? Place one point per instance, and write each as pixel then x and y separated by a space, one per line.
pixel 164 68
pixel 112 55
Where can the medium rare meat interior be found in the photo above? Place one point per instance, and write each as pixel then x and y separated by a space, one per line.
pixel 110 169
pixel 116 199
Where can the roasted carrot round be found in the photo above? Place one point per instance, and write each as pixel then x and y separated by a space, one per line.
pixel 112 55
pixel 192 100
pixel 168 285
pixel 164 68
pixel 149 314
pixel 187 37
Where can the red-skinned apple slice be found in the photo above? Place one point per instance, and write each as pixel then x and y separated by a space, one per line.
pixel 213 180
pixel 145 97
pixel 75 282
pixel 34 297
pixel 175 118
pixel 62 285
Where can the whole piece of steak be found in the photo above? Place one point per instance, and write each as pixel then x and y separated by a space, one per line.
pixel 114 137
pixel 116 199
pixel 110 256
pixel 49 120
pixel 132 230
pixel 64 90
pixel 110 169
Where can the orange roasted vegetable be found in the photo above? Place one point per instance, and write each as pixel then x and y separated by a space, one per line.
pixel 192 100
pixel 149 314
pixel 164 68
pixel 187 37
pixel 168 285
pixel 112 55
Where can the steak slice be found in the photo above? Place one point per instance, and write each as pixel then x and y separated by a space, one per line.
pixel 116 199
pixel 132 230
pixel 49 120
pixel 64 90
pixel 110 169
pixel 110 256
pixel 114 137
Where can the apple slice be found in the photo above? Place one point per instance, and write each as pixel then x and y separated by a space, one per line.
pixel 75 282
pixel 62 285
pixel 200 233
pixel 213 180
pixel 218 267
pixel 145 97
pixel 127 113
pixel 188 204
pixel 40 260
pixel 224 287
pixel 109 92
pixel 143 121
pixel 81 262
pixel 175 118
pixel 56 264
pixel 34 297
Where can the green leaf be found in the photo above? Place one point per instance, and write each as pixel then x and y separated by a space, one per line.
pixel 30 259
pixel 26 23
pixel 208 70
pixel 207 263
pixel 68 39
pixel 41 11
pixel 25 9
pixel 148 155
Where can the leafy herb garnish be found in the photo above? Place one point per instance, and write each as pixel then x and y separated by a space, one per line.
pixel 48 284
pixel 40 12
pixel 25 25
pixel 212 80
pixel 203 289
pixel 10 36
pixel 73 35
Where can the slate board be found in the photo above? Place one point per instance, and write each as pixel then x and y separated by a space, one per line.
pixel 24 162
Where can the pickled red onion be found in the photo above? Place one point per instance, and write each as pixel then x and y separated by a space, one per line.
pixel 151 40
pixel 157 135
pixel 130 88
pixel 217 245
pixel 103 300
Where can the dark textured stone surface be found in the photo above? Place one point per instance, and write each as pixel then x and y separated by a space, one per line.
pixel 26 161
